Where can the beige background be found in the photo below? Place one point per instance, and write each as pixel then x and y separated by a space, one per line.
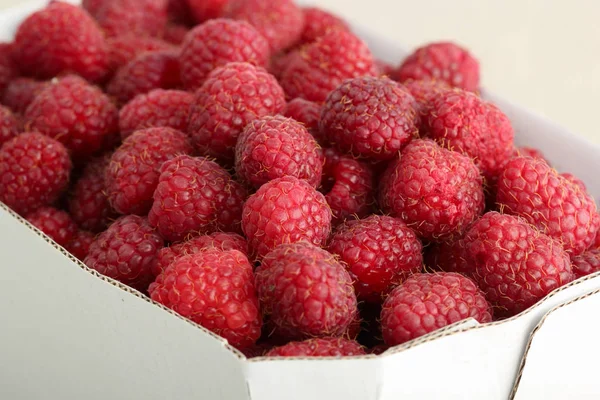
pixel 542 54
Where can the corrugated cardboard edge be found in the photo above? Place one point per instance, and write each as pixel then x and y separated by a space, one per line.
pixel 116 283
pixel 539 326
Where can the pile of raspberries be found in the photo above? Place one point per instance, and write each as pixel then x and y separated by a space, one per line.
pixel 252 166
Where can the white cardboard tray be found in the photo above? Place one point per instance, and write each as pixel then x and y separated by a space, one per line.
pixel 68 333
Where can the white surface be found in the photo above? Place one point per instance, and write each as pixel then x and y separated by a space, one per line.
pixel 561 362
pixel 516 41
pixel 67 334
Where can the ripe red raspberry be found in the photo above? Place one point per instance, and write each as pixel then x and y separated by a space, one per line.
pixel 55 223
pixel 274 147
pixel 437 192
pixel 323 65
pixel 425 92
pixel 218 240
pixel 280 21
pixel 515 264
pixel 61 38
pixel 126 251
pixel 574 180
pixel 307 113
pixel 134 169
pixel 138 17
pixel 525 151
pixel 326 347
pixel 461 121
pixel 280 62
pixel 215 289
pixel 34 171
pixel 20 92
pixel 449 256
pixel 285 210
pixel 380 253
pixel 80 244
pixel 531 189
pixel 156 108
pixel 9 125
pixel 444 61
pixel 305 292
pixel 150 70
pixel 92 6
pixel 175 33
pixel 193 196
pixel 88 203
pixel 123 49
pixel 586 263
pixel 427 302
pixel 77 114
pixel 231 97
pixel 203 10
pixel 178 11
pixel 318 22
pixel 8 68
pixel 370 117
pixel 219 42
pixel 348 185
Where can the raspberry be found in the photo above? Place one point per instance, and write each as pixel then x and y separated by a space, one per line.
pixel 449 256
pixel 134 169
pixel 370 117
pixel 175 34
pixel 8 68
pixel 461 121
pixel 349 186
pixel 258 350
pixel 9 125
pixel 425 92
pixel 380 252
pixel 285 210
pixel 77 114
pixel 427 302
pixel 88 203
pixel 20 92
pixel 379 349
pixel 529 152
pixel 515 264
pixel 34 171
pixel 138 17
pixel 218 240
pixel 559 208
pixel 575 181
pixel 203 10
pixel 586 263
pixel 55 223
pixel 123 49
pixel 437 192
pixel 326 347
pixel 318 22
pixel 126 251
pixel 150 70
pixel 195 195
pixel 280 62
pixel 445 61
pixel 231 97
pixel 274 147
pixel 307 113
pixel 280 21
pixel 323 65
pixel 156 108
pixel 61 38
pixel 80 245
pixel 215 289
pixel 219 42
pixel 92 6
pixel 305 292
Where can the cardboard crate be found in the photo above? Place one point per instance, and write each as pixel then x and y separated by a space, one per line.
pixel 69 333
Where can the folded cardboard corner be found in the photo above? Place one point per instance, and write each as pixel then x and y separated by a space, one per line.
pixel 561 357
